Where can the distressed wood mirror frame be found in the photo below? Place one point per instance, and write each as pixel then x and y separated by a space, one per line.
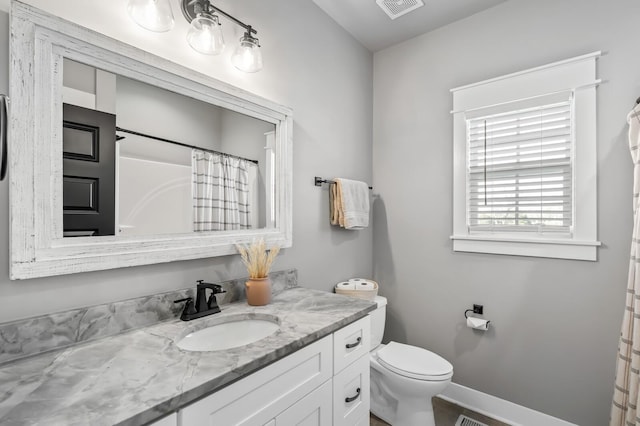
pixel 39 42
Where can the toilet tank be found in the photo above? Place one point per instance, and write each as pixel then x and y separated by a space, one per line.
pixel 378 318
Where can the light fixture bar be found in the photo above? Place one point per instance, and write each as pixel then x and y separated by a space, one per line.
pixel 190 7
pixel 249 28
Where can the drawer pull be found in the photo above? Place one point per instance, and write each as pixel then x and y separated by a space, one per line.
pixel 354 397
pixel 353 345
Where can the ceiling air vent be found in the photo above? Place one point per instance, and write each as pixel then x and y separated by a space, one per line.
pixel 397 8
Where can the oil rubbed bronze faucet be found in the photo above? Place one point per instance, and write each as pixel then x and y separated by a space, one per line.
pixel 202 307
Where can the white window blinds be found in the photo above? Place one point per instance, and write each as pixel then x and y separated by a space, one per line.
pixel 519 170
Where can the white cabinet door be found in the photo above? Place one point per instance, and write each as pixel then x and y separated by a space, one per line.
pixel 312 410
pixel 261 396
pixel 351 394
pixel 350 343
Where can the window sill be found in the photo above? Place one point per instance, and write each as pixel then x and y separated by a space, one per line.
pixel 558 249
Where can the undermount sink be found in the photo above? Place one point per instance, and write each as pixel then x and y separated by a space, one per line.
pixel 232 333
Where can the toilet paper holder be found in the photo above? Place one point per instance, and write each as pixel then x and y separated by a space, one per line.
pixel 477 309
pixel 474 322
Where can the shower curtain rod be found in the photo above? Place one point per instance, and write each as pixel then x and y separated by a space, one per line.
pixel 120 129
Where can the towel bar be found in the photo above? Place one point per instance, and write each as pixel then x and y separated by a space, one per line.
pixel 319 181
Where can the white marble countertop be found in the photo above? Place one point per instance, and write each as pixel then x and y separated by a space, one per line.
pixel 139 376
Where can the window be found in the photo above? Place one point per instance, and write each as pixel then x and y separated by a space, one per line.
pixel 519 171
pixel 525 165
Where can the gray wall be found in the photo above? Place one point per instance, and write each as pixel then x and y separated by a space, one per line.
pixel 553 343
pixel 311 65
pixel 159 112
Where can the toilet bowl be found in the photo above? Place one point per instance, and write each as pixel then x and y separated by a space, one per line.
pixel 404 378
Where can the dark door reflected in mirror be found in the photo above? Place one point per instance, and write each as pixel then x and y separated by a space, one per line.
pixel 143 160
pixel 88 171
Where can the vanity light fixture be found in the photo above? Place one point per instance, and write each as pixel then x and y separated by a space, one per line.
pixel 247 56
pixel 152 15
pixel 205 33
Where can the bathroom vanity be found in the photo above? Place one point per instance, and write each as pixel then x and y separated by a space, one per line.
pixel 324 383
pixel 310 369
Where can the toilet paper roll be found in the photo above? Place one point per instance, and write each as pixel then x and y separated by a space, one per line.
pixel 477 323
pixel 346 285
pixel 363 284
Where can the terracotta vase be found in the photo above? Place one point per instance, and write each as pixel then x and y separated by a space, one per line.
pixel 258 291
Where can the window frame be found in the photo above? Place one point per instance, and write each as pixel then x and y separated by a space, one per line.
pixel 577 75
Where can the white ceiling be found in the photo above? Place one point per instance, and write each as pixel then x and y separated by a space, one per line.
pixel 375 30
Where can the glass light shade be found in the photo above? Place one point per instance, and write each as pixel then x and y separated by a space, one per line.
pixel 153 15
pixel 205 35
pixel 247 56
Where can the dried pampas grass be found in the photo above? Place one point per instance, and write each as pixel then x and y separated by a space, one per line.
pixel 257 258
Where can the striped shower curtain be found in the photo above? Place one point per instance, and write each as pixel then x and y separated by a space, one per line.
pixel 220 192
pixel 624 410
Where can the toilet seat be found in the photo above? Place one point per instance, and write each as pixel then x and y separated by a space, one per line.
pixel 415 363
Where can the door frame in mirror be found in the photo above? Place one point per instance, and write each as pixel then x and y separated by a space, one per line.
pixel 39 42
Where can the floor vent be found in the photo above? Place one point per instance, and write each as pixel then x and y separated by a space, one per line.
pixel 397 8
pixel 467 421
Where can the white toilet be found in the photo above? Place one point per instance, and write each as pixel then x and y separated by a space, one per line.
pixel 403 377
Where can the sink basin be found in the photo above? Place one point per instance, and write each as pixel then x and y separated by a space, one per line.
pixel 232 333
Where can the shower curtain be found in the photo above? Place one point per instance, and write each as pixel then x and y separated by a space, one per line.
pixel 625 395
pixel 220 192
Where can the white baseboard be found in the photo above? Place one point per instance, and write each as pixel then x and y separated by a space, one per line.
pixel 497 408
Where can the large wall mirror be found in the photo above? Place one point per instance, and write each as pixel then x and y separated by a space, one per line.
pixel 168 163
pixel 120 158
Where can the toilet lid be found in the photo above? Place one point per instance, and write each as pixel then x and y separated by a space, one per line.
pixel 416 363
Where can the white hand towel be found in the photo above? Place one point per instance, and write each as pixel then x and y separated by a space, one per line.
pixel 354 197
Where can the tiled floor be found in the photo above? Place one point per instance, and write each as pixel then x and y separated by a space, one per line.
pixel 446 414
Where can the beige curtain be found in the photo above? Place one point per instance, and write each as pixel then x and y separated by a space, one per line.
pixel 625 395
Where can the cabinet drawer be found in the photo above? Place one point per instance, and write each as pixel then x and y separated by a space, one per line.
pixel 350 343
pixel 312 410
pixel 258 398
pixel 351 394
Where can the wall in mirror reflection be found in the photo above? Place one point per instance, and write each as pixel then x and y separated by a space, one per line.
pixel 158 188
